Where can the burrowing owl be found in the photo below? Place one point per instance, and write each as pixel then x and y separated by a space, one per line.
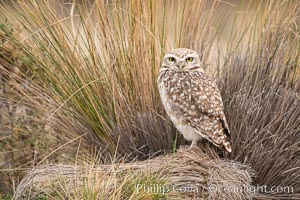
pixel 192 101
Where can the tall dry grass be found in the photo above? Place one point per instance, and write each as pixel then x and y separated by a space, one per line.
pixel 88 73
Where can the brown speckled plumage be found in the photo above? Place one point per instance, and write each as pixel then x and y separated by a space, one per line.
pixel 192 101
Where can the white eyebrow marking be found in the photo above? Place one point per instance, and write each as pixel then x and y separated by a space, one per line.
pixel 193 55
pixel 171 55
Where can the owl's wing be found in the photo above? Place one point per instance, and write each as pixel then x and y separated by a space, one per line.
pixel 199 103
pixel 208 101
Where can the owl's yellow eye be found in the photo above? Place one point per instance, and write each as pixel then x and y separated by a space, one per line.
pixel 189 59
pixel 171 59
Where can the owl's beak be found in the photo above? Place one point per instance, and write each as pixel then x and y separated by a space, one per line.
pixel 180 65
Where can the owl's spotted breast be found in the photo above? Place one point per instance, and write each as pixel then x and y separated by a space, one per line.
pixel 193 92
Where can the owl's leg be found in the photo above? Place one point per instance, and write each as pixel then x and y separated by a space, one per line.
pixel 194 142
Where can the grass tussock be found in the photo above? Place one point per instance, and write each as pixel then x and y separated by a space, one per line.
pixel 87 73
pixel 185 175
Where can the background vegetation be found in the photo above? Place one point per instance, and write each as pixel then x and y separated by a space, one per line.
pixel 78 82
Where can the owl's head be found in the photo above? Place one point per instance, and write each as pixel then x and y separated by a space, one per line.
pixel 182 59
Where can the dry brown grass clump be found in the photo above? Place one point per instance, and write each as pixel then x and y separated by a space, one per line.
pixel 192 173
